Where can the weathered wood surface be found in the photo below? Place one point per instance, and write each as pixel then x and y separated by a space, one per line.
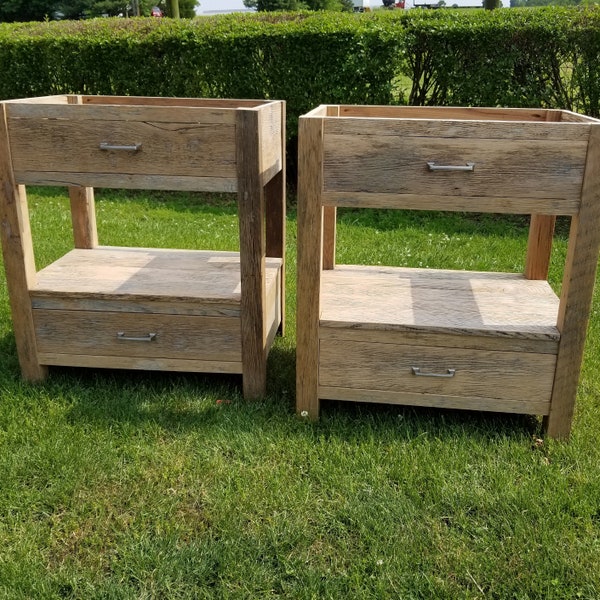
pixel 458 113
pixel 310 260
pixel 83 217
pixel 520 406
pixel 428 300
pixel 539 246
pixel 151 274
pixel 478 373
pixel 503 169
pixel 138 362
pixel 95 333
pixel 576 295
pixel 251 209
pixel 18 258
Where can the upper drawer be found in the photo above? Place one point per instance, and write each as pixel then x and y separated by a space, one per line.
pixel 135 146
pixel 476 165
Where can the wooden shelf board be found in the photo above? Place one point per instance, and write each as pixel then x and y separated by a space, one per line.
pixel 443 301
pixel 112 273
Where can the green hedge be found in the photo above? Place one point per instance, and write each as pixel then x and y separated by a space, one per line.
pixel 548 57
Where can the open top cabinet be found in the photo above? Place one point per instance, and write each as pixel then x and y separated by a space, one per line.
pixel 143 308
pixel 456 339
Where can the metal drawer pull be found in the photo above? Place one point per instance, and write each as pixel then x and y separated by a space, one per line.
pixel 145 338
pixel 467 167
pixel 131 148
pixel 449 373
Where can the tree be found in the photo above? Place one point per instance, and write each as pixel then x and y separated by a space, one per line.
pixel 38 10
pixel 273 5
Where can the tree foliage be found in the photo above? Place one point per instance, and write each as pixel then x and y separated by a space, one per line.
pixel 288 5
pixel 39 10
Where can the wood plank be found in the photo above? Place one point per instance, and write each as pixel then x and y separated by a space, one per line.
pixel 510 376
pixel 251 208
pixel 95 333
pixel 310 260
pixel 444 112
pixel 455 129
pixel 502 168
pixel 229 103
pixel 145 364
pixel 272 142
pixel 147 274
pixel 83 217
pixel 435 401
pixel 275 208
pixel 21 113
pixel 445 202
pixel 329 236
pixel 459 302
pixel 127 181
pixel 185 149
pixel 19 262
pixel 418 337
pixel 539 246
pixel 577 292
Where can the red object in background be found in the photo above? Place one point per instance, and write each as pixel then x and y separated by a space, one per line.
pixel 156 12
pixel 400 4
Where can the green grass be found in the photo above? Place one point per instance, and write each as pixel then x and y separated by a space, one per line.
pixel 148 485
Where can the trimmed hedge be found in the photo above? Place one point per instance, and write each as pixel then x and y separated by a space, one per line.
pixel 547 57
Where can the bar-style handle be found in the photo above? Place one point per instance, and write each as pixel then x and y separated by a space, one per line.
pixel 449 373
pixel 144 338
pixel 120 147
pixel 432 166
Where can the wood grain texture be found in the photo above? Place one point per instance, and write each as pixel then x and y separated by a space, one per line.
pixel 95 333
pixel 429 300
pixel 19 262
pixel 520 406
pixel 329 236
pixel 539 246
pixel 388 367
pixel 502 168
pixel 137 362
pixel 251 208
pixel 576 297
pixel 83 217
pixel 310 260
pixel 203 277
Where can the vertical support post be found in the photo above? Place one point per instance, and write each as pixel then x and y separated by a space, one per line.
pixel 329 235
pixel 310 260
pixel 330 215
pixel 539 246
pixel 83 216
pixel 576 297
pixel 251 209
pixel 19 261
pixel 83 211
pixel 275 208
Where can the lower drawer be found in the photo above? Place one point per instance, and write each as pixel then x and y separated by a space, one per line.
pixel 124 335
pixel 436 376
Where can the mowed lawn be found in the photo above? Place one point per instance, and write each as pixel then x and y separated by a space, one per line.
pixel 134 485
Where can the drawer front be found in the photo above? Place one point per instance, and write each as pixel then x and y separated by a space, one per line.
pixel 132 142
pixel 456 372
pixel 138 335
pixel 464 160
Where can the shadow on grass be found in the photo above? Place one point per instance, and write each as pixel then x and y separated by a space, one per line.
pixel 188 401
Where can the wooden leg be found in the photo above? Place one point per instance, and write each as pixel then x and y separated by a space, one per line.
pixel 83 216
pixel 20 270
pixel 310 260
pixel 275 230
pixel 251 205
pixel 539 246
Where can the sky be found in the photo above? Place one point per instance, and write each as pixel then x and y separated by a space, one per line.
pixel 212 5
